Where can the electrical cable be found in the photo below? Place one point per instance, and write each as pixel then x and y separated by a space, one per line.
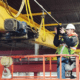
pixel 31 15
pixel 29 11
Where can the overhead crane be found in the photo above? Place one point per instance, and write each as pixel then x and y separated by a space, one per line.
pixel 45 37
pixel 49 34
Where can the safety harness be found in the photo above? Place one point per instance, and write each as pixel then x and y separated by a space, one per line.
pixel 63 47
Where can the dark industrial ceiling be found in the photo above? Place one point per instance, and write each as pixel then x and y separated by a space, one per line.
pixel 64 11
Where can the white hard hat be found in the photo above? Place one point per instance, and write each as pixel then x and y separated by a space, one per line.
pixel 70 26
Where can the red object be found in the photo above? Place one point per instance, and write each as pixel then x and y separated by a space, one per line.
pixel 41 66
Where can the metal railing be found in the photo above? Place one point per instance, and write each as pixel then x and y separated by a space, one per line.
pixel 50 68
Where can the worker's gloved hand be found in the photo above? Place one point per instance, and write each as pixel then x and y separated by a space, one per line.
pixel 58 30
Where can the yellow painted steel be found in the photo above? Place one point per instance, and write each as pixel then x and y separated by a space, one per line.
pixel 28 4
pixel 37 14
pixel 44 35
pixel 5 15
pixel 27 10
pixel 53 24
pixel 49 38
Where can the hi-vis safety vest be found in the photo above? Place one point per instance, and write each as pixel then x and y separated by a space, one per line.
pixel 63 48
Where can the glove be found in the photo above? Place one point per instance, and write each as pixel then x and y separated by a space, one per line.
pixel 58 30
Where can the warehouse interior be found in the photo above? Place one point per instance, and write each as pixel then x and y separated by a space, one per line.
pixel 63 11
pixel 31 51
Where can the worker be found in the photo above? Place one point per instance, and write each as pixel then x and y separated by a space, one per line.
pixel 66 45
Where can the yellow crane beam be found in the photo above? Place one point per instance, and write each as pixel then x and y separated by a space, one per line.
pixel 4 15
pixel 49 36
pixel 52 24
pixel 37 14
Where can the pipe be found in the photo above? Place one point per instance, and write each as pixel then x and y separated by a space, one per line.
pixel 47 12
pixel 74 23
pixel 36 50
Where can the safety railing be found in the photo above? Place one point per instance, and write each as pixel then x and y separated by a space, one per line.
pixel 50 67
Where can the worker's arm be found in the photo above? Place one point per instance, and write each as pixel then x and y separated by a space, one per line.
pixel 56 40
pixel 70 41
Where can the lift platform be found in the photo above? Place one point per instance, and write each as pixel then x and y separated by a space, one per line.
pixel 46 66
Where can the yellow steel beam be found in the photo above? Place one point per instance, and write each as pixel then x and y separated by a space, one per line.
pixel 5 15
pixel 37 14
pixel 53 24
pixel 49 36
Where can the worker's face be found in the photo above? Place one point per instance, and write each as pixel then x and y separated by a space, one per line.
pixel 69 31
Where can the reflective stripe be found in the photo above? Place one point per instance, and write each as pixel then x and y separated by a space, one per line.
pixel 74 48
pixel 63 45
pixel 63 48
